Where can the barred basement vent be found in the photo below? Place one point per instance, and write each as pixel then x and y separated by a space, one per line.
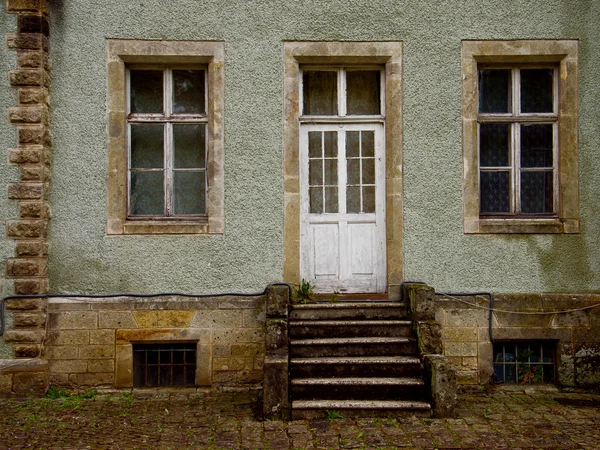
pixel 525 362
pixel 172 364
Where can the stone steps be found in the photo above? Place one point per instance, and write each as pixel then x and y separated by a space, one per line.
pixel 353 346
pixel 349 311
pixel 308 409
pixel 349 328
pixel 369 388
pixel 360 366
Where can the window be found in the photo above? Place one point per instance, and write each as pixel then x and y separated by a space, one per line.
pixel 165 137
pixel 524 362
pixel 164 365
pixel 520 137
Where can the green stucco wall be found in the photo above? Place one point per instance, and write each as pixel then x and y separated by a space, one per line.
pixel 249 255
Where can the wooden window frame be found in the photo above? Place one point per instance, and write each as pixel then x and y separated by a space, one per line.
pixel 518 53
pixel 122 54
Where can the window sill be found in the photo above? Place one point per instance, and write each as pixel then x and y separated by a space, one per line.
pixel 158 227
pixel 521 226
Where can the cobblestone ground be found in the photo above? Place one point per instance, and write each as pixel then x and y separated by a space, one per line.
pixel 493 418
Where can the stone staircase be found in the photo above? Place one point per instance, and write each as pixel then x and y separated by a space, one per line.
pixel 357 358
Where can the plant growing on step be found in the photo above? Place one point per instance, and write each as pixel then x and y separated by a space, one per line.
pixel 333 414
pixel 304 292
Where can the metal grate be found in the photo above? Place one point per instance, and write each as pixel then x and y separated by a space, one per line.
pixel 164 364
pixel 525 362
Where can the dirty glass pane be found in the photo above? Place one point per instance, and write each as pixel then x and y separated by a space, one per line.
pixel 190 376
pixel 331 175
pixel 189 142
pixel 368 199
pixel 147 146
pixel 152 378
pixel 362 92
pixel 146 91
pixel 330 144
pixel 537 194
pixel 548 353
pixel 165 356
pixel 536 90
pixel 316 200
pixel 352 144
pixel 315 172
pixel 494 145
pixel 353 199
pixel 536 145
pixel 368 171
pixel 319 92
pixel 548 373
pixel 510 371
pixel 368 143
pixel 189 193
pixel 188 92
pixel 178 376
pixel 331 199
pixel 165 376
pixel 494 192
pixel 499 372
pixel 178 357
pixel 152 356
pixel 314 144
pixel 494 91
pixel 147 194
pixel 353 167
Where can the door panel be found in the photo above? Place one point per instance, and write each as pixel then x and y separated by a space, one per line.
pixel 325 250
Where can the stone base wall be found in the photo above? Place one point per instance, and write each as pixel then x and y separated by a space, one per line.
pixel 466 339
pixel 89 341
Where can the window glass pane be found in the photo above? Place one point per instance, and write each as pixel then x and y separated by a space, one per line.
pixel 189 193
pixel 494 91
pixel 352 144
pixel 368 143
pixel 368 171
pixel 536 90
pixel 536 145
pixel 315 172
pixel 147 194
pixel 369 199
pixel 548 373
pixel 146 91
pixel 353 166
pixel 362 92
pixel 189 142
pixel 331 199
pixel 331 175
pixel 316 200
pixel 537 192
pixel 147 146
pixel 331 143
pixel 353 199
pixel 494 145
pixel 319 92
pixel 314 144
pixel 494 192
pixel 188 92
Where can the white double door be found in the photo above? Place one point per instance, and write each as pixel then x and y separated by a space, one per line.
pixel 342 207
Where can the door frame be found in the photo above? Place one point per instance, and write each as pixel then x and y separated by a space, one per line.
pixel 389 55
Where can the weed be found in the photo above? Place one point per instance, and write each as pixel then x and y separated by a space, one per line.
pixel 159 428
pixel 304 292
pixel 54 392
pixel 360 435
pixel 333 414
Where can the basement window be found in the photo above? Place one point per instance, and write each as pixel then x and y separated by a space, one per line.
pixel 525 362
pixel 164 365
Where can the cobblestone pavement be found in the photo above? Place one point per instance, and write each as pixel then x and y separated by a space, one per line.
pixel 491 418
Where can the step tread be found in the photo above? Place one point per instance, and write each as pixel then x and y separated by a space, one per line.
pixel 353 340
pixel 360 404
pixel 337 323
pixel 350 305
pixel 335 360
pixel 359 381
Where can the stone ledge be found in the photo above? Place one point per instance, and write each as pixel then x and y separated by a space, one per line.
pixel 22 365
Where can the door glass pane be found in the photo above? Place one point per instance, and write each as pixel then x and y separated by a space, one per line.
pixel 536 145
pixel 316 200
pixel 362 92
pixel 494 145
pixel 494 192
pixel 537 192
pixel 368 199
pixel 536 90
pixel 315 172
pixel 314 144
pixel 331 175
pixel 331 149
pixel 147 146
pixel 494 91
pixel 188 92
pixel 368 143
pixel 331 199
pixel 368 171
pixel 189 141
pixel 146 91
pixel 147 193
pixel 319 92
pixel 189 193
pixel 353 199
pixel 352 144
pixel 353 166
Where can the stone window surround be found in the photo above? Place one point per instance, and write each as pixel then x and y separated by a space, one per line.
pixel 387 54
pixel 122 52
pixel 562 52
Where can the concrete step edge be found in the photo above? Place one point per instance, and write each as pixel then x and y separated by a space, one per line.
pixel 350 305
pixel 367 360
pixel 354 341
pixel 359 381
pixel 360 404
pixel 347 323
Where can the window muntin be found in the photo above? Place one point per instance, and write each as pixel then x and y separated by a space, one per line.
pixel 525 362
pixel 167 136
pixel 518 141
